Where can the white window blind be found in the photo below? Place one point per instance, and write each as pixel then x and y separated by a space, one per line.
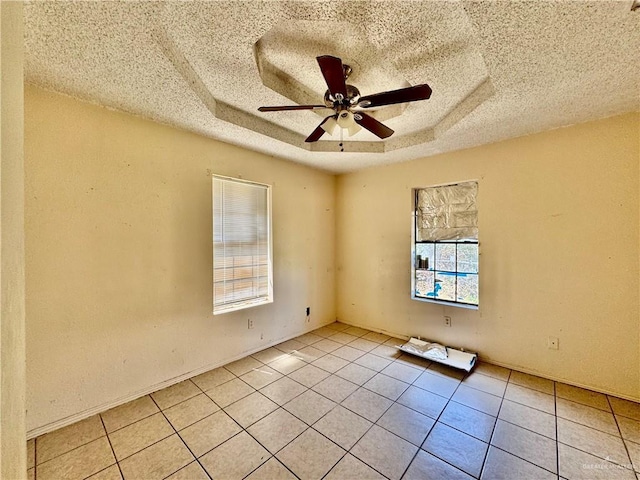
pixel 242 267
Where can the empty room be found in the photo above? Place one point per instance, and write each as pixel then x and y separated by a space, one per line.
pixel 320 240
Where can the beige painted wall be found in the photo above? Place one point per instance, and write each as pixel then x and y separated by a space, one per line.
pixel 558 219
pixel 13 456
pixel 119 262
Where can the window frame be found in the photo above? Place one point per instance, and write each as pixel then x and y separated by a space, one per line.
pixel 413 260
pixel 256 301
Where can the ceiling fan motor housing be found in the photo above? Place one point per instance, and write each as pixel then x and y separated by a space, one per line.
pixel 353 95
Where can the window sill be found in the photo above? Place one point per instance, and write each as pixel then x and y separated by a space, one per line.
pixel 445 303
pixel 242 306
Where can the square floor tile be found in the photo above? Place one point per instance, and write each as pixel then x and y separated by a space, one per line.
pixel 277 429
pixel 310 456
pixel 485 402
pixel 356 373
pixel 81 462
pixel 290 346
pixel 309 406
pixel 625 408
pixel 363 344
pixel 368 404
pixel 580 395
pixel 374 362
pixel 309 375
pixel 324 332
pixel 51 445
pixel 467 420
pixel 446 371
pixel 629 428
pixel 426 466
pixel 353 469
pixel 422 401
pixel 634 454
pixel 503 465
pixel 342 426
pixel 168 397
pixel 229 392
pixel 268 355
pixel 529 418
pixel 486 384
pixel 287 364
pixel 213 378
pixel 335 388
pixel 128 413
pixel 139 435
pixel 330 363
pixel 491 370
pixel 283 390
pixel 272 470
pixel 327 345
pixel 438 384
pixel 589 416
pixel 347 353
pixel 386 386
pixel 376 337
pixel 459 449
pixel 577 464
pixel 342 337
pixel 190 411
pixel 530 398
pixel 242 366
pixel 595 442
pixel 236 458
pixel 406 423
pixel 209 432
pixel 261 377
pixel 193 471
pixel 533 382
pixel 386 351
pixel 385 452
pixel 413 361
pixel 308 338
pixel 402 372
pixel 250 409
pixel 309 353
pixel 157 461
pixel 356 331
pixel 528 445
pixel 109 473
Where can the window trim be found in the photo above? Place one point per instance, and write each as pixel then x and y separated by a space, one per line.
pixel 244 304
pixel 414 219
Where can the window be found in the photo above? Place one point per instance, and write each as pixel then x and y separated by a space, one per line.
pixel 242 266
pixel 445 245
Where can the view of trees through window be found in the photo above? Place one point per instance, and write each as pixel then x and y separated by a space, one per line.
pixel 447 271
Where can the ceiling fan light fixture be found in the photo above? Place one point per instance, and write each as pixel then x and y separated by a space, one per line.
pixel 353 129
pixel 329 126
pixel 345 119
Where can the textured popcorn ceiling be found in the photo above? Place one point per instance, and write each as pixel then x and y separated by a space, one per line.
pixel 498 69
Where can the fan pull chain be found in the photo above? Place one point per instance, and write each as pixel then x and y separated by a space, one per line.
pixel 341 142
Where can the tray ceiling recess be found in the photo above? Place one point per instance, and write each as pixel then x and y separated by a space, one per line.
pixel 497 70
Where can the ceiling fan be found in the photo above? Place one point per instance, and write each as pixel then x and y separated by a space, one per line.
pixel 348 106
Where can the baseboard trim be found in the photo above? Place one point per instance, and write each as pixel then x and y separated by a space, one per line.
pixel 76 417
pixel 518 368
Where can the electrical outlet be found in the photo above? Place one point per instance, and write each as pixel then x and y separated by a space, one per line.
pixel 447 321
pixel 249 324
pixel 553 343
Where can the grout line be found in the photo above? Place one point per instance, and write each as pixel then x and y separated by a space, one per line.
pixel 626 449
pixel 111 445
pixel 181 439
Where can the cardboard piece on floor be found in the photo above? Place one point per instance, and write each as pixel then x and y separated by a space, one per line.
pixel 455 358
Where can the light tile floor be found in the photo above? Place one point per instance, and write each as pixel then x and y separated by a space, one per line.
pixel 343 403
